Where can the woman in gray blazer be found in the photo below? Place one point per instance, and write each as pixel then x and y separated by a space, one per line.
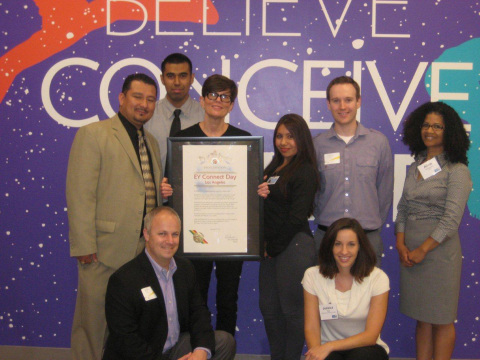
pixel 434 197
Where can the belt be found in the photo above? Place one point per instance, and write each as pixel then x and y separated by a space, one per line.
pixel 324 229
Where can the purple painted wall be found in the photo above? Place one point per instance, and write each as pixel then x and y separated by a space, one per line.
pixel 60 67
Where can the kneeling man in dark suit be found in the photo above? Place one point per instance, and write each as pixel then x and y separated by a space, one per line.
pixel 153 305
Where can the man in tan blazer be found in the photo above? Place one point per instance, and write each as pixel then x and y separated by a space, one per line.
pixel 106 201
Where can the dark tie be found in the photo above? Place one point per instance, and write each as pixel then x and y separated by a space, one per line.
pixel 151 196
pixel 176 126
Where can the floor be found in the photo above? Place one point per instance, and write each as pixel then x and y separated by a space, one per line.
pixel 39 353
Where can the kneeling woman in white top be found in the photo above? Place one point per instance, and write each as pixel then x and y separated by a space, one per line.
pixel 350 296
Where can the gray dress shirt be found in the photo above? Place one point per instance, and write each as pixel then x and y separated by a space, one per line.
pixel 161 121
pixel 442 197
pixel 360 184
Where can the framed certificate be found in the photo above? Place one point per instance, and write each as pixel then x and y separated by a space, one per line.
pixel 214 181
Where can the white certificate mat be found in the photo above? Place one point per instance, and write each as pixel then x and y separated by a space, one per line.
pixel 214 202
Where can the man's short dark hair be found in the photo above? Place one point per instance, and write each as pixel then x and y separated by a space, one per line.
pixel 176 58
pixel 139 77
pixel 216 83
pixel 343 80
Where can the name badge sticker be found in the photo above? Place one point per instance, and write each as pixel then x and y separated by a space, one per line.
pixel 272 180
pixel 328 312
pixel 429 168
pixel 332 158
pixel 148 293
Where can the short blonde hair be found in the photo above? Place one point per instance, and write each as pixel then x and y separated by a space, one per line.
pixel 148 219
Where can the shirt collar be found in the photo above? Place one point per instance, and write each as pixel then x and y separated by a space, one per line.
pixel 186 107
pixel 361 130
pixel 131 130
pixel 442 158
pixel 161 271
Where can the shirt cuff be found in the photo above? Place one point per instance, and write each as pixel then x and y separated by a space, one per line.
pixel 209 354
pixel 399 228
pixel 438 235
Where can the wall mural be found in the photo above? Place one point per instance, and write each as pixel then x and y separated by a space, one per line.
pixel 62 64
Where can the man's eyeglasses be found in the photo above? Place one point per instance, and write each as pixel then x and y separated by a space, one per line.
pixel 223 97
pixel 435 127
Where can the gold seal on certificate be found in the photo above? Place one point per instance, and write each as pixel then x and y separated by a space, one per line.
pixel 198 237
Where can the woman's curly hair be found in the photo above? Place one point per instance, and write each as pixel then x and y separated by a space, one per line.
pixel 455 138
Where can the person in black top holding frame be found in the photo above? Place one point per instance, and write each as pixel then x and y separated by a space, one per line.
pixel 218 97
pixel 292 180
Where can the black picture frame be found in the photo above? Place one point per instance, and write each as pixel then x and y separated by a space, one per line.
pixel 255 246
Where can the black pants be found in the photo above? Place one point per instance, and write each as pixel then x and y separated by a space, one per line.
pixel 375 352
pixel 281 297
pixel 228 279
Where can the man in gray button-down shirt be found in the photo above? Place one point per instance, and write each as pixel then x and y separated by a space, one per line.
pixel 177 77
pixel 356 168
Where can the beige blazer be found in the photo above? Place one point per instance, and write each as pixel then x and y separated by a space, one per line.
pixel 106 193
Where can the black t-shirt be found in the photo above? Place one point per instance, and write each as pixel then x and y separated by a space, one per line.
pixel 196 131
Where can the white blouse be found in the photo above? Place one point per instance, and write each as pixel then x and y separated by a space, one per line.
pixel 352 318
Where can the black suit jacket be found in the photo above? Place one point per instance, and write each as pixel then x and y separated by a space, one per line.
pixel 138 328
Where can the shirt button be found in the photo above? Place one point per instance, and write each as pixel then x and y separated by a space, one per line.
pixel 346 179
pixel 346 194
pixel 346 210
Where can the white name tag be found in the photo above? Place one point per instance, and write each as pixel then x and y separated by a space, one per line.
pixel 429 168
pixel 328 312
pixel 332 158
pixel 272 180
pixel 148 293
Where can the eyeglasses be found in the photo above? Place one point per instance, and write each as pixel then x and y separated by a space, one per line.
pixel 223 97
pixel 435 127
